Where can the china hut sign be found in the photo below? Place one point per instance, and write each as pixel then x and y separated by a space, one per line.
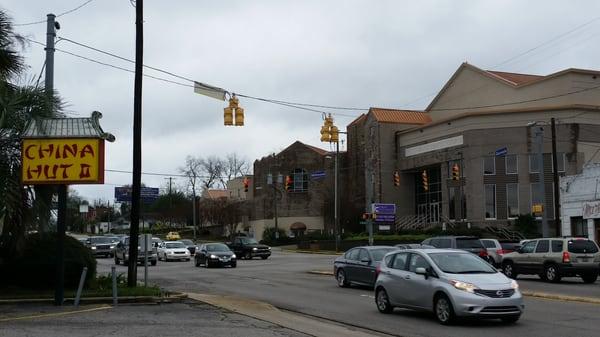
pixel 64 151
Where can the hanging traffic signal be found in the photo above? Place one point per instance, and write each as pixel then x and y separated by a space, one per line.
pixel 334 132
pixel 329 132
pixel 455 172
pixel 288 183
pixel 396 178
pixel 425 181
pixel 325 136
pixel 246 184
pixel 230 110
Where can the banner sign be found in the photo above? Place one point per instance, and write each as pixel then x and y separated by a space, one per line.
pixel 317 175
pixel 147 194
pixel 63 161
pixel 383 208
pixel 591 209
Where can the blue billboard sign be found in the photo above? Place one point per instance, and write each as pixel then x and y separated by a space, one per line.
pixel 501 152
pixel 317 175
pixel 385 218
pixel 147 194
pixel 383 208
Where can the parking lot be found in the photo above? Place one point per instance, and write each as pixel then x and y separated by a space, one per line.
pixel 283 280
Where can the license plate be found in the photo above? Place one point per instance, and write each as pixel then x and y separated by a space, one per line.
pixel 224 259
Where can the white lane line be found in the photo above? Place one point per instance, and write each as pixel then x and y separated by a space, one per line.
pixel 369 296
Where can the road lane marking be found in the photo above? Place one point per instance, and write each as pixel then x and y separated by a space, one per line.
pixel 369 296
pixel 55 314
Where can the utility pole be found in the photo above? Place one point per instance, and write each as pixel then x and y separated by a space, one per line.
pixel 59 294
pixel 557 220
pixel 336 224
pixel 170 202
pixel 134 230
pixel 539 140
pixel 194 204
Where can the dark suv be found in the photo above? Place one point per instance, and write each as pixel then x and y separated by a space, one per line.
pixel 122 251
pixel 471 244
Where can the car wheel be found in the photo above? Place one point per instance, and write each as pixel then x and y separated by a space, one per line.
pixel 165 258
pixel 444 312
pixel 589 277
pixel 383 301
pixel 264 257
pixel 342 281
pixel 510 319
pixel 117 260
pixel 233 265
pixel 187 260
pixel 552 273
pixel 153 262
pixel 196 263
pixel 206 264
pixel 509 270
pixel 248 256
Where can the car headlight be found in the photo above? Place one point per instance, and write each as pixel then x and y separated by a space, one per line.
pixel 212 256
pixel 269 248
pixel 233 256
pixel 468 287
pixel 169 252
pixel 112 247
pixel 514 285
pixel 93 247
pixel 254 248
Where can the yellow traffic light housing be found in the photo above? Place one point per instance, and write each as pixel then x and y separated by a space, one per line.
pixel 228 116
pixel 239 116
pixel 334 134
pixel 396 178
pixel 230 110
pixel 425 181
pixel 325 135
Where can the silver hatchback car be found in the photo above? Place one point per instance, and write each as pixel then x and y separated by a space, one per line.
pixel 450 283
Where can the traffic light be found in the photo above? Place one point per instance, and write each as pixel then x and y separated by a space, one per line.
pixel 230 110
pixel 455 172
pixel 367 216
pixel 329 132
pixel 396 178
pixel 334 134
pixel 246 184
pixel 288 183
pixel 425 181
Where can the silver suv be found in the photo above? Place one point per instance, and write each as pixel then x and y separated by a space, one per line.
pixel 449 283
pixel 554 258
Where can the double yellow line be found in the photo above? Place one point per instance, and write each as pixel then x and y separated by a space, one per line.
pixel 55 314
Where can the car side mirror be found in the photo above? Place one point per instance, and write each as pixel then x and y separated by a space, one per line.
pixel 422 271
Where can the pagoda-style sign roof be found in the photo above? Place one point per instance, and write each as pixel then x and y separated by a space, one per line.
pixel 67 128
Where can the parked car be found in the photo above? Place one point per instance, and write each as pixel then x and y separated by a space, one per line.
pixel 248 248
pixel 470 244
pixel 412 246
pixel 121 252
pixel 101 245
pixel 554 258
pixel 215 254
pixel 359 265
pixel 173 236
pixel 173 250
pixel 497 249
pixel 190 245
pixel 447 282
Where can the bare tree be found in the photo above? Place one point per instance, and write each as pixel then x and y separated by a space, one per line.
pixel 234 166
pixel 192 170
pixel 212 169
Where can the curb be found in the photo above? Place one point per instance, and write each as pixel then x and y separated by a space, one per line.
pixel 178 297
pixel 321 252
pixel 548 296
pixel 567 298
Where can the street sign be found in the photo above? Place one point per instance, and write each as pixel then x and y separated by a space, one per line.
pixel 317 175
pixel 501 152
pixel 383 209
pixel 147 194
pixel 385 218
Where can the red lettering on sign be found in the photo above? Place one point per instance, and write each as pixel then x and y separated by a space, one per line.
pixel 65 167
pixel 30 172
pixel 87 149
pixel 71 149
pixel 27 154
pixel 48 150
pixel 85 171
pixel 47 174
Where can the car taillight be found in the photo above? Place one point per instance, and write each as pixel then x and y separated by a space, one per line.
pixel 566 257
pixel 483 253
pixel 503 251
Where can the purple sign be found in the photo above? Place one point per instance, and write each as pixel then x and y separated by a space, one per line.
pixel 383 208
pixel 385 218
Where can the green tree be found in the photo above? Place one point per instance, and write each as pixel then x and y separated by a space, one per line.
pixel 19 104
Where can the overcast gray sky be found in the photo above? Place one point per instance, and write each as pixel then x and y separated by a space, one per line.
pixel 393 54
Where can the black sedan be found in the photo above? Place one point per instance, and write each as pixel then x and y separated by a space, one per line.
pixel 359 265
pixel 215 254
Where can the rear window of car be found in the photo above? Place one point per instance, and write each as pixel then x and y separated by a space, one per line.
pixel 379 253
pixel 462 243
pixel 582 246
pixel 488 243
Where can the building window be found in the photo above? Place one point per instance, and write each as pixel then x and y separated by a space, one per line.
pixel 490 201
pixel 579 226
pixel 560 162
pixel 300 178
pixel 533 164
pixel 512 200
pixel 511 164
pixel 489 165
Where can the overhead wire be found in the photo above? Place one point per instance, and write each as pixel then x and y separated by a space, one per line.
pixel 58 15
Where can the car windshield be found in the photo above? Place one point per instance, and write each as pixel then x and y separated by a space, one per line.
pixel 488 243
pixel 171 245
pixel 249 241
pixel 380 252
pixel 462 243
pixel 100 239
pixel 461 263
pixel 188 242
pixel 217 248
pixel 582 246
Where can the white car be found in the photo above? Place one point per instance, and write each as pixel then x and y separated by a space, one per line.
pixel 173 250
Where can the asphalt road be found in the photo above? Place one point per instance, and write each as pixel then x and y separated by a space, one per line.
pixel 283 281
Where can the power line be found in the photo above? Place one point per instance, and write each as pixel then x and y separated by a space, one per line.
pixel 59 15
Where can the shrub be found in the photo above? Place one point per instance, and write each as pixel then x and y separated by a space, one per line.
pixel 35 266
pixel 527 225
pixel 269 237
